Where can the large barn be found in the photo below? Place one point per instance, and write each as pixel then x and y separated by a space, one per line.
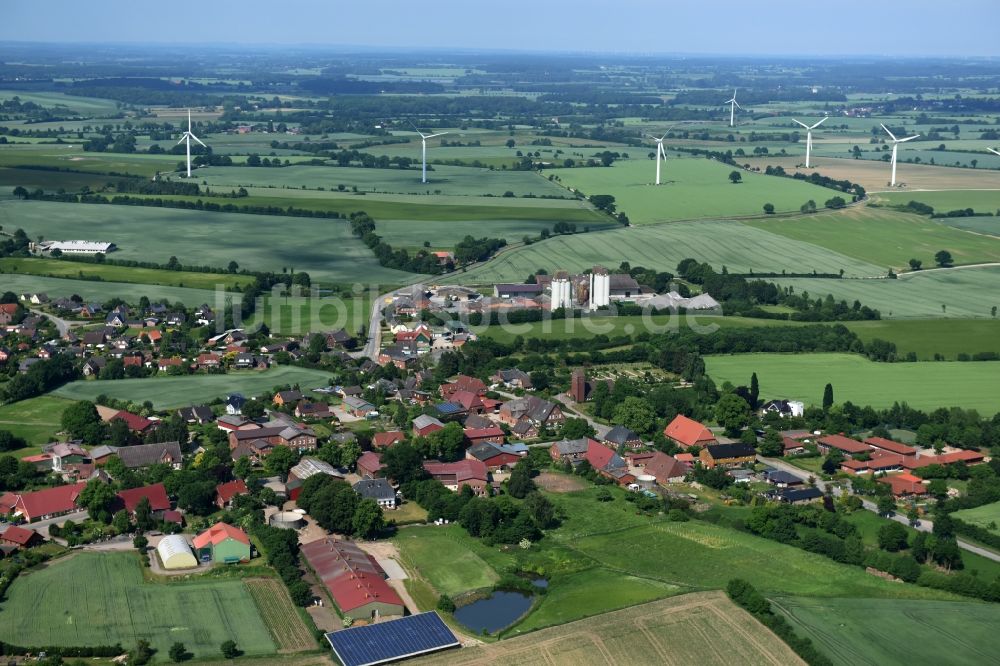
pixel 354 579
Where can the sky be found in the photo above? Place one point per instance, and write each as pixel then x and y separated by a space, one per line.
pixel 718 27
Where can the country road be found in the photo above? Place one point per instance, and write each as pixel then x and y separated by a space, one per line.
pixel 62 325
pixel 924 526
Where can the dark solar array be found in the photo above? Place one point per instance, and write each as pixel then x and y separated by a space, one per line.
pixel 386 641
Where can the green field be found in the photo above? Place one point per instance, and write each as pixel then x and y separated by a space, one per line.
pixel 72 156
pixel 101 292
pixel 738 247
pixel 170 392
pixel 106 272
pixel 926 337
pixel 977 225
pixel 693 188
pixel 981 201
pixel 887 631
pixel 101 599
pixel 324 248
pixel 962 292
pixel 926 385
pixel 36 420
pixel 986 516
pixel 885 237
pixel 52 180
pixel 587 327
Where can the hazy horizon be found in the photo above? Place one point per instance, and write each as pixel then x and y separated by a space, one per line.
pixel 633 27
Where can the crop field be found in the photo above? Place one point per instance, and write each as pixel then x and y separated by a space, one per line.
pixel 49 181
pixel 171 392
pixel 100 292
pixel 738 247
pixel 962 292
pixel 37 420
pixel 324 248
pixel 879 631
pixel 76 270
pixel 924 385
pixel 72 156
pixel 88 105
pixel 295 315
pixel 874 175
pixel 981 201
pixel 986 516
pixel 101 599
pixel 287 629
pixel 885 237
pixel 441 180
pixel 693 188
pixel 927 337
pixel 655 633
pixel 979 224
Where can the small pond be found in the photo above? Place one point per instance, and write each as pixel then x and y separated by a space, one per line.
pixel 497 611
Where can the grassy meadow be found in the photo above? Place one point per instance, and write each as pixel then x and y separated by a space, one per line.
pixel 981 201
pixel 171 392
pixel 926 385
pixel 36 420
pixel 100 292
pixel 986 516
pixel 106 272
pixel 693 188
pixel 101 599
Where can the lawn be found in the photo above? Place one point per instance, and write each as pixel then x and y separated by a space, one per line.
pixel 986 516
pixel 101 599
pixel 885 237
pixel 693 188
pixel 923 385
pixel 107 272
pixel 322 247
pixel 171 392
pixel 36 420
pixel 465 568
pixel 736 246
pixel 887 631
pixel 962 293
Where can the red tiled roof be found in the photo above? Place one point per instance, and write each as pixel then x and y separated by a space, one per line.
pixel 134 422
pixel 370 462
pixel 230 489
pixel 218 533
pixel 480 433
pixel 467 399
pixel 685 458
pixel 8 308
pixel 463 470
pixel 889 445
pixel 904 484
pixel 50 501
pixel 688 432
pixel 597 454
pixel 354 590
pixel 791 444
pixel 877 462
pixel 845 444
pixel 382 440
pixel 960 456
pixel 173 516
pixel 19 535
pixel 156 494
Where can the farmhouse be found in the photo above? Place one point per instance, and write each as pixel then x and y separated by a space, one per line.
pixel 688 432
pixel 20 537
pixel 222 543
pixel 378 490
pixel 620 436
pixel 491 433
pixel 146 455
pixel 156 494
pixel 727 455
pixel 175 553
pixel 495 456
pixel 354 580
pixel 41 504
pixel 383 440
pixel 570 450
pixel 666 469
pixel 454 475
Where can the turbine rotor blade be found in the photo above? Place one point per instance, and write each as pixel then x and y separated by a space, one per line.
pixel 888 132
pixel 909 138
pixel 181 140
pixel 198 140
pixel 994 151
pixel 431 136
pixel 823 120
pixel 801 123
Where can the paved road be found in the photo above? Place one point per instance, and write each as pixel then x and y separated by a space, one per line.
pixel 62 325
pixel 568 404
pixel 374 344
pixel 924 526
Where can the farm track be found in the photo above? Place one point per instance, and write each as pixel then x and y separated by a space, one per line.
pixel 287 629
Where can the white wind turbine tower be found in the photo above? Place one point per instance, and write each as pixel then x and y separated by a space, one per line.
pixel 895 146
pixel 186 138
pixel 661 154
pixel 733 105
pixel 423 149
pixel 809 137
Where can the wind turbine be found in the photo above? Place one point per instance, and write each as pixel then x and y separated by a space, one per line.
pixel 733 105
pixel 423 151
pixel 809 137
pixel 895 146
pixel 186 139
pixel 661 154
pixel 994 151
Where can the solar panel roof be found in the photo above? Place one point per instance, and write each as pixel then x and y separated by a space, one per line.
pixel 391 640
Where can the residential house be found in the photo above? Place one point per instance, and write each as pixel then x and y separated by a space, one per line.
pixel 687 432
pixel 782 479
pixel 234 403
pixel 463 383
pixel 570 450
pixel 312 410
pixel 727 455
pixel 383 440
pixel 254 449
pixel 370 465
pixel 225 492
pixel 666 469
pixel 155 494
pixel 20 537
pixel 471 403
pixel 455 475
pixel 378 490
pixel 282 398
pixel 783 408
pixel 399 356
pixel 138 425
pixel 7 313
pixel 146 455
pixel 277 434
pixel 200 414
pixel 496 457
pixel 620 437
pixel 512 379
pixel 879 461
pixel 797 495
pixel 208 360
pixel 490 434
